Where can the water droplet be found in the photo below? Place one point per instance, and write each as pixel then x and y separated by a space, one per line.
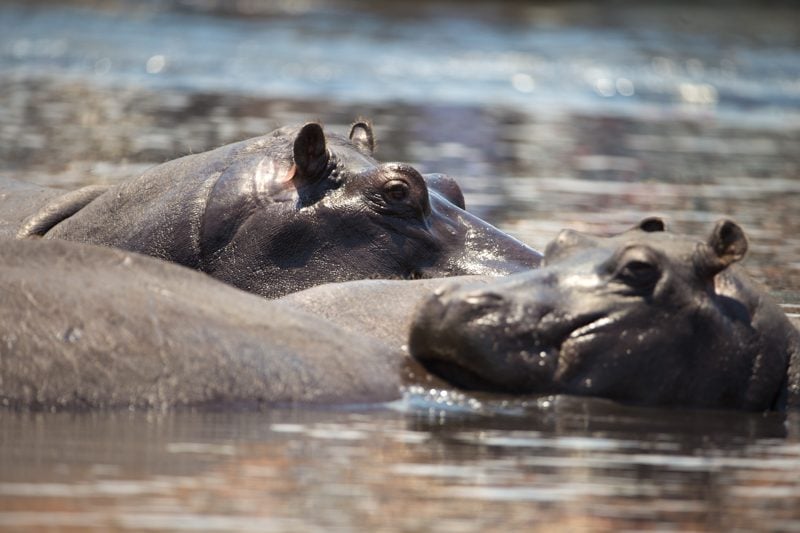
pixel 625 87
pixel 73 334
pixel 524 83
pixel 604 87
pixel 156 64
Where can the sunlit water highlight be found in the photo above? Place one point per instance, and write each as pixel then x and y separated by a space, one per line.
pixel 573 464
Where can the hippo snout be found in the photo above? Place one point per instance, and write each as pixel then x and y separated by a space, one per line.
pixel 473 338
pixel 437 339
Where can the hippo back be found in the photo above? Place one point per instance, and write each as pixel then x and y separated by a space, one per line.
pixel 89 327
pixel 160 213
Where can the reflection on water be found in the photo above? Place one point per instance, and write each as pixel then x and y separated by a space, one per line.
pixel 563 464
pixel 551 116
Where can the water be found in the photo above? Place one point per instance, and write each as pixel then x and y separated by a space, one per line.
pixel 557 465
pixel 550 116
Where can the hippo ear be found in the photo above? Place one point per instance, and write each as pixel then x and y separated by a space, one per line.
pixel 310 154
pixel 726 245
pixel 652 225
pixel 361 135
pixel 728 241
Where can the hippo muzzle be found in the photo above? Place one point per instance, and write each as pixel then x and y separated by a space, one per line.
pixel 478 338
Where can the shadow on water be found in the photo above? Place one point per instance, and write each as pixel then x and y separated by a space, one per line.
pixel 550 115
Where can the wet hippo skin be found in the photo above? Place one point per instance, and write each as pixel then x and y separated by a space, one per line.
pixel 645 317
pixel 279 213
pixel 382 309
pixel 83 326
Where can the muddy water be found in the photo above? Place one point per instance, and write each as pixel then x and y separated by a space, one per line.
pixel 565 465
pixel 551 116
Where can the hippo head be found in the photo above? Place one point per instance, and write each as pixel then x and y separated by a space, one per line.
pixel 300 208
pixel 647 317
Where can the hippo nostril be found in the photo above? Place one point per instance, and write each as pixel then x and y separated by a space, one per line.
pixel 569 237
pixel 566 239
pixel 454 293
pixel 472 308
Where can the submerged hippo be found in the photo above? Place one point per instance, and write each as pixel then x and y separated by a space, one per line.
pixel 85 326
pixel 647 317
pixel 280 213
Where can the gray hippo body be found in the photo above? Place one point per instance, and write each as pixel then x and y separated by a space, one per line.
pixel 645 317
pixel 20 200
pixel 380 309
pixel 278 214
pixel 92 327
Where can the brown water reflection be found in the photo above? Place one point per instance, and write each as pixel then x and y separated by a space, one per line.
pixel 550 115
pixel 566 464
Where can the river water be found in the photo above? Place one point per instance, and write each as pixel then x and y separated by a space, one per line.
pixel 550 115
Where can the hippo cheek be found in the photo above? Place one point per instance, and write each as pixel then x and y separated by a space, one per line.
pixel 604 359
pixel 585 362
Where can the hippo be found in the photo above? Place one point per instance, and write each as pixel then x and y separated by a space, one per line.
pixel 383 309
pixel 280 213
pixel 91 327
pixel 646 317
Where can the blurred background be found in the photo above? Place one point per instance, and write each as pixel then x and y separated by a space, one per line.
pixel 550 114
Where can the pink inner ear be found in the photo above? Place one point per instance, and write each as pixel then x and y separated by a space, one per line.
pixel 286 178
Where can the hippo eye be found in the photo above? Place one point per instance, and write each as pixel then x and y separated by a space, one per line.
pixel 639 274
pixel 396 190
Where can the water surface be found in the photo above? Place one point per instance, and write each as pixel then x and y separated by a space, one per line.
pixel 558 464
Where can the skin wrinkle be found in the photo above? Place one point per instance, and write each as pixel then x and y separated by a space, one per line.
pixel 198 244
pixel 56 210
pixel 202 255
